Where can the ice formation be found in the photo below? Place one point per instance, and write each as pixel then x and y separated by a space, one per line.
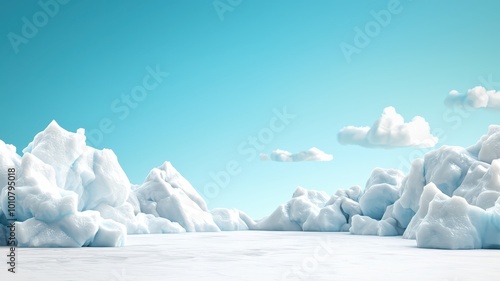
pixel 450 199
pixel 311 210
pixel 451 223
pixel 232 219
pixel 71 195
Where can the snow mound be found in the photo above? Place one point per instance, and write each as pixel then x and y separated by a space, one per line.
pixel 450 199
pixel 312 210
pixel 71 195
pixel 481 186
pixel 232 219
pixel 337 213
pixel 169 174
pixel 430 192
pixel 487 148
pixel 381 191
pixel 279 220
pixel 376 204
pixel 451 223
pixel 363 225
pixel 447 166
pixel 53 209
pixel 8 159
pixel 293 215
pixel 166 194
pixel 334 217
pixel 138 223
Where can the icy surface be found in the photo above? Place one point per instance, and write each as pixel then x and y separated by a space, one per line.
pixel 255 255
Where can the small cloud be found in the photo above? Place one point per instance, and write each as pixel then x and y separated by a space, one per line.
pixel 477 97
pixel 264 157
pixel 390 131
pixel 312 154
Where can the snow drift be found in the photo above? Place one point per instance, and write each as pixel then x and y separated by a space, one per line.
pixel 71 195
pixel 450 199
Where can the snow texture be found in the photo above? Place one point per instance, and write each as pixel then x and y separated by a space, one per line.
pixel 450 199
pixel 71 195
pixel 166 194
pixel 252 255
pixel 232 219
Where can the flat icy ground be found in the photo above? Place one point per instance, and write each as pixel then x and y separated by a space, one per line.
pixel 256 256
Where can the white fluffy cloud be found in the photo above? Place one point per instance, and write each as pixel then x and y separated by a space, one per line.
pixel 477 97
pixel 312 154
pixel 389 131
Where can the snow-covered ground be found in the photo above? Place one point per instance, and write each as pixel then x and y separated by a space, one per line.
pixel 255 255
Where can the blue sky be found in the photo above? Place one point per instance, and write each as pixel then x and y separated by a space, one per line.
pixel 229 74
